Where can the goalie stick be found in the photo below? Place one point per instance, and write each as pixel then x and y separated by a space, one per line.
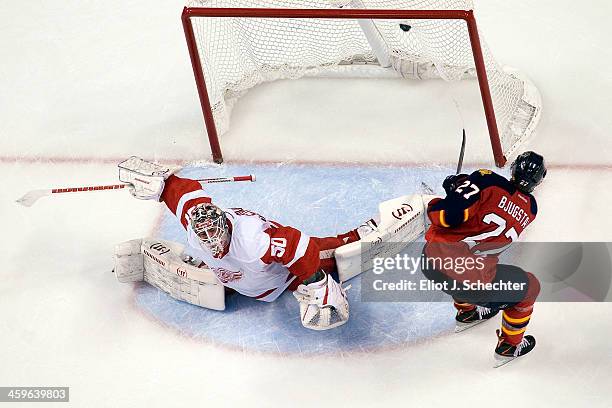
pixel 31 197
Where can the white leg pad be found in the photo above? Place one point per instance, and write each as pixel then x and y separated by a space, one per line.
pixel 402 220
pixel 160 264
pixel 129 262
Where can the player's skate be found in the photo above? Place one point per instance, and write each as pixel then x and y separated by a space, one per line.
pixel 506 352
pixel 323 304
pixel 469 318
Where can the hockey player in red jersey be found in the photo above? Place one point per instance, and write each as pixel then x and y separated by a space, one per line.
pixel 248 253
pixel 481 215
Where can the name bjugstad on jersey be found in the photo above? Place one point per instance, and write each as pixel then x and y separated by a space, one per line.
pixel 428 285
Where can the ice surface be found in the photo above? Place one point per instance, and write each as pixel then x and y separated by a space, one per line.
pixel 86 85
pixel 321 201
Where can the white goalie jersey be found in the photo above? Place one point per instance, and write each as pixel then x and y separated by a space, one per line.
pixel 264 257
pixel 243 268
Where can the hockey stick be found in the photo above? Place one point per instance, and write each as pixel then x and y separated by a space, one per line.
pixel 32 196
pixel 461 154
pixel 426 189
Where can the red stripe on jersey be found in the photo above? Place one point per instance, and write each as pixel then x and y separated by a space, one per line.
pixel 188 206
pixel 266 293
pixel 308 264
pixel 175 188
pixel 435 216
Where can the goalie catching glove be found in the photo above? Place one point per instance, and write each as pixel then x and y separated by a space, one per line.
pixel 323 304
pixel 146 179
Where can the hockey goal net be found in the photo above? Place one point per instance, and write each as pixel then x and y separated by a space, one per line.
pixel 236 44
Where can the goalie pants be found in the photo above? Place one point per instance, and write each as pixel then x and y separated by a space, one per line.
pixel 517 305
pixel 327 247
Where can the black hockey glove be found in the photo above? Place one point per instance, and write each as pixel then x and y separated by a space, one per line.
pixel 451 183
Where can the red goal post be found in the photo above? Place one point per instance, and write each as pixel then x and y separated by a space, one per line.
pixel 337 13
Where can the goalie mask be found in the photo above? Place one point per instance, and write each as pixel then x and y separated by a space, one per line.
pixel 209 223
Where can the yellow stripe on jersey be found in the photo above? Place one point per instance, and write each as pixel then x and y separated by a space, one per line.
pixel 466 214
pixel 442 221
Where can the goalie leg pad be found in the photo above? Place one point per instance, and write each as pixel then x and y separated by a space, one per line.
pixel 323 304
pixel 160 264
pixel 402 220
pixel 129 262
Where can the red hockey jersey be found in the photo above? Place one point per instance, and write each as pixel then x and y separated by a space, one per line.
pixel 483 216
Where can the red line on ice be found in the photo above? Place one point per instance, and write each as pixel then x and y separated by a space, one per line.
pixel 174 161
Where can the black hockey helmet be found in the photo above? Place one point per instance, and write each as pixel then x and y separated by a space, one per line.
pixel 528 171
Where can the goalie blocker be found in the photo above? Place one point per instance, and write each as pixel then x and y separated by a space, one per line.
pixel 160 263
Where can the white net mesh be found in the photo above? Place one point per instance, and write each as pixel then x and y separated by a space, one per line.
pixel 239 53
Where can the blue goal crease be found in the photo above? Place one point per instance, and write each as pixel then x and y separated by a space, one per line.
pixel 320 200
